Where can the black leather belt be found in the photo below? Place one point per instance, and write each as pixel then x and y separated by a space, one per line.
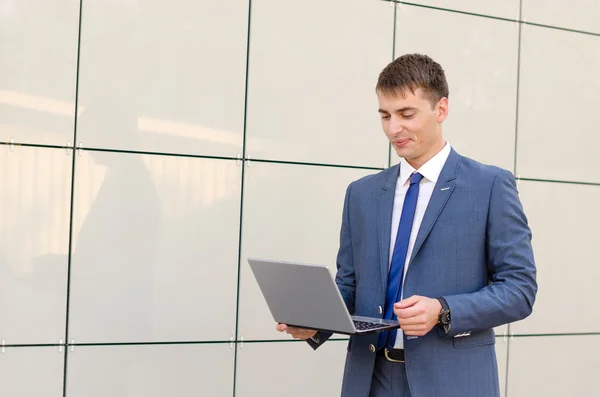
pixel 394 355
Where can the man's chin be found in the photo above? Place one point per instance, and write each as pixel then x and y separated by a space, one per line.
pixel 404 153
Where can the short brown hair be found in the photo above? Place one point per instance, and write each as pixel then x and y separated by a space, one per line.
pixel 412 71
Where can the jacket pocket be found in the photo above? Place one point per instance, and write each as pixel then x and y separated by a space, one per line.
pixel 477 339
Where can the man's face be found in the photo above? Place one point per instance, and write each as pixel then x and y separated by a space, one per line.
pixel 412 125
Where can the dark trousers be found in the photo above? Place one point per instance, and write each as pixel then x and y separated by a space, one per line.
pixel 389 379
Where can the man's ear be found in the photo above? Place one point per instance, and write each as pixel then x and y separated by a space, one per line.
pixel 442 109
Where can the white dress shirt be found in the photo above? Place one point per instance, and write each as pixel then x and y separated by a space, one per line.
pixel 431 171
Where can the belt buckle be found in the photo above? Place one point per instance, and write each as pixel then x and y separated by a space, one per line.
pixel 389 358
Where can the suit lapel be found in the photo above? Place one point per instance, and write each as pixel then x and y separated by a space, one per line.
pixel 442 191
pixel 385 206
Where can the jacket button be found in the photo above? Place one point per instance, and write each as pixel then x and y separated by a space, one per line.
pixel 380 310
pixel 372 348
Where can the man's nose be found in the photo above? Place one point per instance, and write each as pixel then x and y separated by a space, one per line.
pixel 396 125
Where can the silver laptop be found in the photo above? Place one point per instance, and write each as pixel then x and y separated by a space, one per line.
pixel 306 296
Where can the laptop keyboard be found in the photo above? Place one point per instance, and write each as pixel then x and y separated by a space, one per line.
pixel 364 326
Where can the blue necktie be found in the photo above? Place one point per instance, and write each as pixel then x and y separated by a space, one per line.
pixel 394 285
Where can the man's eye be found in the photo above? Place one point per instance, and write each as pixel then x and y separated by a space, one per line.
pixel 385 117
pixel 408 116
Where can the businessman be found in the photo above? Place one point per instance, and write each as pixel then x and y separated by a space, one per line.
pixel 440 243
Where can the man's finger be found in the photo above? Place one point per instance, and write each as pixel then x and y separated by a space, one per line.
pixel 415 332
pixel 408 329
pixel 409 312
pixel 408 322
pixel 281 327
pixel 300 335
pixel 413 327
pixel 415 320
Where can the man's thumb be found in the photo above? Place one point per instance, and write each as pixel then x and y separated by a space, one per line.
pixel 408 302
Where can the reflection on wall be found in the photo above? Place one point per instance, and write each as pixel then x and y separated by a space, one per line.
pixel 35 185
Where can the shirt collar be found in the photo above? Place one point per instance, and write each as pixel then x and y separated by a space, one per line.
pixel 431 170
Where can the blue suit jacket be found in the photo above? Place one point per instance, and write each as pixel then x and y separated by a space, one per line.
pixel 473 248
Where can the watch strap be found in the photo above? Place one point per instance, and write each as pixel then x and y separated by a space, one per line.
pixel 443 303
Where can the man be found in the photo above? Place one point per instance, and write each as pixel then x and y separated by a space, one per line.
pixel 439 242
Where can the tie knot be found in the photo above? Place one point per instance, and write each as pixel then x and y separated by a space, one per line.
pixel 415 178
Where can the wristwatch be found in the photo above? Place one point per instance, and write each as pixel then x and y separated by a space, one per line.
pixel 444 316
pixel 315 338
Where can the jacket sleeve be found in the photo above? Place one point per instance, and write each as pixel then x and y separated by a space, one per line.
pixel 511 293
pixel 345 278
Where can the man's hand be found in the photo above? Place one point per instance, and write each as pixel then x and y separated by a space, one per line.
pixel 297 333
pixel 417 315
